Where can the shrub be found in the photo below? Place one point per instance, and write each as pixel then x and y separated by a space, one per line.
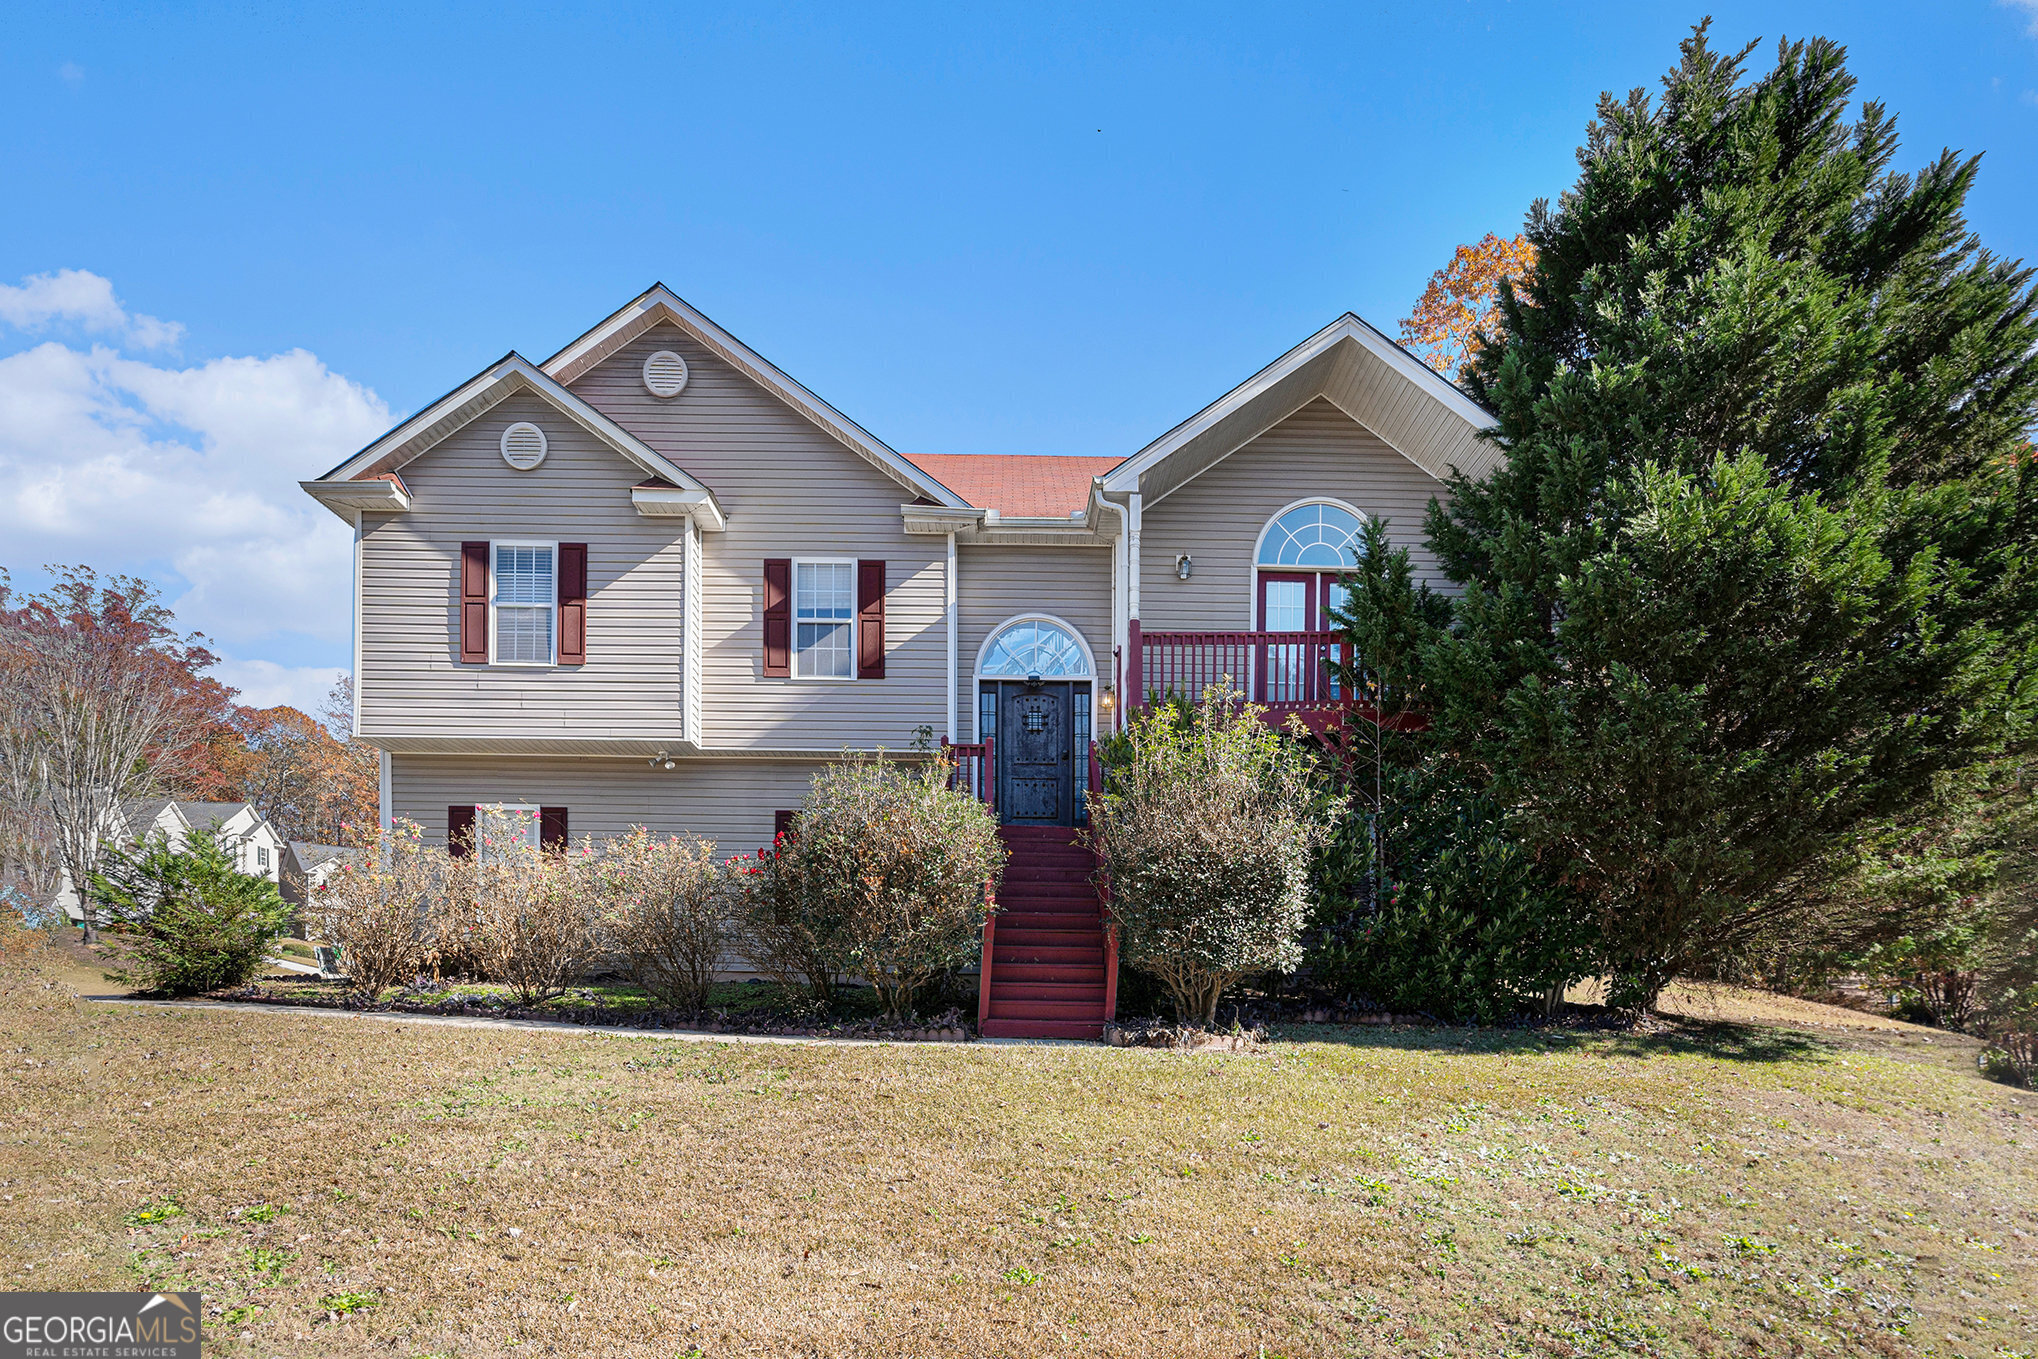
pixel 1205 832
pixel 534 920
pixel 1446 913
pixel 2012 1053
pixel 381 906
pixel 190 921
pixel 665 909
pixel 898 869
pixel 785 933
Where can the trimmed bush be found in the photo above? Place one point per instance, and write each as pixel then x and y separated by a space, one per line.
pixel 382 906
pixel 665 910
pixel 188 920
pixel 535 925
pixel 1205 831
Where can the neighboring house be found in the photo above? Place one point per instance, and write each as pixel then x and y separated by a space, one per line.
pixel 654 580
pixel 306 867
pixel 255 844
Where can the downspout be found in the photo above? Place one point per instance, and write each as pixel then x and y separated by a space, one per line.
pixel 1135 649
pixel 1119 612
pixel 385 793
pixel 953 629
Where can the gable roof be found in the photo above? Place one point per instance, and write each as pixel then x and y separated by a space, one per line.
pixel 1019 485
pixel 659 304
pixel 1413 408
pixel 342 489
pixel 202 815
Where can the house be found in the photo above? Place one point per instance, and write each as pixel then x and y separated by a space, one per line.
pixel 255 844
pixel 306 866
pixel 654 580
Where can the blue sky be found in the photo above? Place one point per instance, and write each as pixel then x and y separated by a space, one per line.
pixel 973 228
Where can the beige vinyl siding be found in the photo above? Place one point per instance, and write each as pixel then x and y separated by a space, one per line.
pixel 1217 518
pixel 412 682
pixel 996 583
pixel 728 801
pixel 789 490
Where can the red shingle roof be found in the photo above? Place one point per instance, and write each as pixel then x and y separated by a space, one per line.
pixel 1020 485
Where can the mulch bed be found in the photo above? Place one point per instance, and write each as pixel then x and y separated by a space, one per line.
pixel 950 1027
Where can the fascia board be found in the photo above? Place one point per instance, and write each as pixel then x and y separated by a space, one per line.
pixel 1127 475
pixel 938 519
pixel 661 303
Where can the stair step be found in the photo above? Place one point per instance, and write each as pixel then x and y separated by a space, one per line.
pixel 1019 936
pixel 1055 992
pixel 1089 973
pixel 1079 955
pixel 1091 1030
pixel 1045 919
pixel 1091 1010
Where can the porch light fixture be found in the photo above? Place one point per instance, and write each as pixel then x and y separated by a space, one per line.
pixel 1105 698
pixel 661 758
pixel 1182 566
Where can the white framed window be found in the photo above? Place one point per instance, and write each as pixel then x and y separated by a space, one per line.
pixel 824 619
pixel 500 826
pixel 523 597
pixel 262 857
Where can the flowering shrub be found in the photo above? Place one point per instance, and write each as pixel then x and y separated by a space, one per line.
pixel 382 906
pixel 889 877
pixel 665 911
pixel 535 925
pixel 1205 831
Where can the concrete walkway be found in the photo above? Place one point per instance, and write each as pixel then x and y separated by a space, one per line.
pixel 559 1026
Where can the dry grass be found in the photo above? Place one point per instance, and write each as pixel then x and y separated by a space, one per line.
pixel 481 1192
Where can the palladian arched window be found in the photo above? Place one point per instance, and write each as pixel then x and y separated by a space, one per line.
pixel 1297 589
pixel 1034 646
pixel 1314 537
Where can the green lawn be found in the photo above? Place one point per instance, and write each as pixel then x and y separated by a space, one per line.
pixel 470 1191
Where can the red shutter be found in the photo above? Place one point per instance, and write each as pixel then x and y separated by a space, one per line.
pixel 870 620
pixel 782 826
pixel 778 617
pixel 460 831
pixel 573 603
pixel 552 836
pixel 474 605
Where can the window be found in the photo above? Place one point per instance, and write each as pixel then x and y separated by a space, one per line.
pixel 262 857
pixel 525 597
pixel 824 620
pixel 1035 647
pixel 1317 537
pixel 500 826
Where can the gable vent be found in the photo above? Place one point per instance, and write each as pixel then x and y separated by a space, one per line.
pixel 523 445
pixel 665 373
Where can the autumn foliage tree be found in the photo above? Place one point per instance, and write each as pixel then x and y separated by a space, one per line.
pixel 1463 300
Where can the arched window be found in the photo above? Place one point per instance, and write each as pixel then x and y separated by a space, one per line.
pixel 1313 537
pixel 1035 646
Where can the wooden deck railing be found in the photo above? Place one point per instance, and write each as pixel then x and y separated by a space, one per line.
pixel 974 769
pixel 1283 671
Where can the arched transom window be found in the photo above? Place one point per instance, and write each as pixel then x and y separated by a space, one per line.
pixel 1316 537
pixel 1034 646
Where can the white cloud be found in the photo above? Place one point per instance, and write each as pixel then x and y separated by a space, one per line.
pixel 127 464
pixel 85 300
pixel 264 684
pixel 2029 7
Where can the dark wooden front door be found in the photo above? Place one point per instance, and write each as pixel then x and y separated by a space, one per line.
pixel 1035 782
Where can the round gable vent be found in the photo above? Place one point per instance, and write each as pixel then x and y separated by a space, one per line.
pixel 665 373
pixel 523 445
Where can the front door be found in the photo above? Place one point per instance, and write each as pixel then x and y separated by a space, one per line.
pixel 1297 601
pixel 1035 783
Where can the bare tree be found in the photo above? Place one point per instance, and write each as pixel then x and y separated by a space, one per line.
pixel 101 700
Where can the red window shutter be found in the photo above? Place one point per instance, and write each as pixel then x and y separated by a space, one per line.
pixel 870 620
pixel 778 617
pixel 474 605
pixel 460 831
pixel 573 603
pixel 782 825
pixel 552 835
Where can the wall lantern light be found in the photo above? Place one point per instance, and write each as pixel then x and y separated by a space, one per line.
pixel 1106 698
pixel 1182 566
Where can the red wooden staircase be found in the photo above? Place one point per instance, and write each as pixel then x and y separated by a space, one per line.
pixel 1047 970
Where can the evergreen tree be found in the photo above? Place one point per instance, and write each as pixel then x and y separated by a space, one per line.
pixel 1758 567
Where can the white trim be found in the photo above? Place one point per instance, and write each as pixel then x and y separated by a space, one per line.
pixel 553 655
pixel 954 626
pixel 385 789
pixel 1035 616
pixel 690 630
pixel 354 718
pixel 484 392
pixel 659 303
pixel 1252 581
pixel 1348 327
pixel 855 623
